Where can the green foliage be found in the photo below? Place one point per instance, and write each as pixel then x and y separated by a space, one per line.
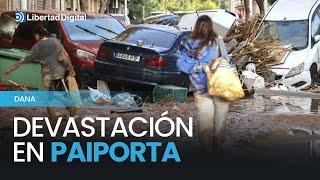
pixel 187 5
pixel 137 7
pixel 271 1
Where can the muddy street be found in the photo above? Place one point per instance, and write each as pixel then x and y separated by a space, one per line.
pixel 259 116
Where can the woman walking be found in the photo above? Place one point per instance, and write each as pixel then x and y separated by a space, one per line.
pixel 201 49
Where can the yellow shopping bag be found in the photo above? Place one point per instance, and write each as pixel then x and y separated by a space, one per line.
pixel 223 80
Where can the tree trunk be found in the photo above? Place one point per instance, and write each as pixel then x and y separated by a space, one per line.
pixel 103 6
pixel 84 5
pixel 247 9
pixel 262 6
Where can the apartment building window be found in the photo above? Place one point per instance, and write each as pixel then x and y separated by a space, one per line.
pixel 53 4
pixel 40 4
pixel 115 4
pixel 31 4
pixel 69 5
pixel 16 4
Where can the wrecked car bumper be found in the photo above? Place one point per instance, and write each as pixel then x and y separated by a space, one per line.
pixel 299 81
pixel 111 72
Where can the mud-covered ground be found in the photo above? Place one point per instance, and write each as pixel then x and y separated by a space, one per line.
pixel 248 118
pixel 248 121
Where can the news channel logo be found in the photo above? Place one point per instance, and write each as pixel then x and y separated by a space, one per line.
pixel 21 17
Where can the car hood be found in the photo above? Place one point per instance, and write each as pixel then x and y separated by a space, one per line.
pixel 291 60
pixel 91 46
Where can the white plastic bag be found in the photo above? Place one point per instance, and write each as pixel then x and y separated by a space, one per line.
pixel 101 95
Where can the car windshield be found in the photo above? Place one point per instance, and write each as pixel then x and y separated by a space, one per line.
pixel 93 29
pixel 286 32
pixel 148 37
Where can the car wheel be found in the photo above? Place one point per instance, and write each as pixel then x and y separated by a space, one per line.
pixel 314 75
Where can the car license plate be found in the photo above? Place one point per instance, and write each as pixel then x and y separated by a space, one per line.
pixel 128 57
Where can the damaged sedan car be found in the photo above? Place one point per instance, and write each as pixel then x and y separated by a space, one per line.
pixel 296 23
pixel 143 54
pixel 81 39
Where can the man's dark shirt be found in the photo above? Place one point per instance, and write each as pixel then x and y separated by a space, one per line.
pixel 46 52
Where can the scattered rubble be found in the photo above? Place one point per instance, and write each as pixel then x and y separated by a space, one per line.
pixel 245 48
pixel 101 95
pixel 252 80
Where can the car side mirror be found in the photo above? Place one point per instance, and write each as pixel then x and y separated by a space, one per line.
pixel 317 38
pixel 181 45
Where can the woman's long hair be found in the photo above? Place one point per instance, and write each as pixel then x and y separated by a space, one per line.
pixel 204 32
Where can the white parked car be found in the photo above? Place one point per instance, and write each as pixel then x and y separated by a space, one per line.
pixel 295 22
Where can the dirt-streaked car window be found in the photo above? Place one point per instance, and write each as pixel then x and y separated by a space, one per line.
pixel 25 30
pixel 93 29
pixel 148 37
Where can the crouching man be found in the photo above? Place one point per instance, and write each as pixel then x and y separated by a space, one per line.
pixel 55 63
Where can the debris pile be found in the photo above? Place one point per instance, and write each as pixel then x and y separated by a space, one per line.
pixel 245 47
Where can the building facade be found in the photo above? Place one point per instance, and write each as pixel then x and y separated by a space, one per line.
pixel 112 6
pixel 237 6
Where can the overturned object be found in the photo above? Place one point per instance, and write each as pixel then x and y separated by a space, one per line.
pixel 252 80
